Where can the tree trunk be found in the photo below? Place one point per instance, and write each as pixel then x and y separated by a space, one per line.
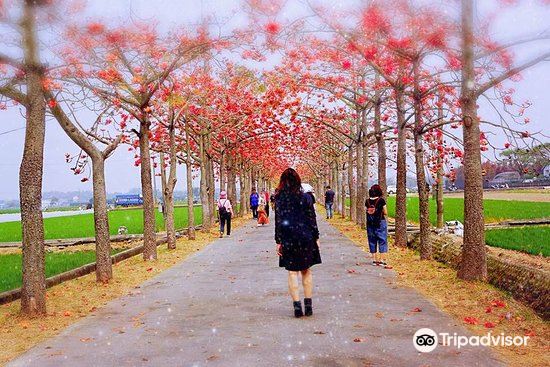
pixel 423 192
pixel 380 145
pixel 171 185
pixel 149 240
pixel 242 187
pixel 336 183
pixel 351 186
pixel 104 268
pixel 190 195
pixel 365 183
pixel 439 199
pixel 211 187
pixel 359 194
pixel 343 192
pixel 473 263
pixel 163 183
pixel 401 195
pixel 231 182
pixel 33 292
pixel 169 223
pixel 222 176
pixel 205 201
pixel 439 180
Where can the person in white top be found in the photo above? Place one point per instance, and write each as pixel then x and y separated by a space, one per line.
pixel 225 212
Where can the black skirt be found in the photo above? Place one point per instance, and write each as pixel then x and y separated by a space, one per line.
pixel 299 256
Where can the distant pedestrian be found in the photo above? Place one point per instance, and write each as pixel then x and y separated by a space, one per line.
pixel 329 201
pixel 297 237
pixel 254 202
pixel 272 199
pixel 265 196
pixel 225 212
pixel 308 189
pixel 262 214
pixel 377 227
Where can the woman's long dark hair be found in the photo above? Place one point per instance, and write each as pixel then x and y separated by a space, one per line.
pixel 375 191
pixel 290 182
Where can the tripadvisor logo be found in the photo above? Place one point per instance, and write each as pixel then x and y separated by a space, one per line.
pixel 426 340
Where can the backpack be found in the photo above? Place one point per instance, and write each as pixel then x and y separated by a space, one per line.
pixel 222 209
pixel 372 217
pixel 254 199
pixel 372 209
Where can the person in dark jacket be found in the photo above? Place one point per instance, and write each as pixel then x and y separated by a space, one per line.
pixel 254 202
pixel 297 238
pixel 329 201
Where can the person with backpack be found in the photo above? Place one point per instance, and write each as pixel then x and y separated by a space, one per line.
pixel 254 202
pixel 296 238
pixel 329 201
pixel 225 212
pixel 377 227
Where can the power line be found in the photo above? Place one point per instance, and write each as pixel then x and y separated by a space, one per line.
pixel 10 131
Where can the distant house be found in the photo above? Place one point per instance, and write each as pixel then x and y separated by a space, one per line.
pixel 546 171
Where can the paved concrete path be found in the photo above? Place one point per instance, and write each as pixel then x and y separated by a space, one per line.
pixel 228 306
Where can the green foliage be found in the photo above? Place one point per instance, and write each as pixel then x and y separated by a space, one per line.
pixel 528 161
pixel 79 226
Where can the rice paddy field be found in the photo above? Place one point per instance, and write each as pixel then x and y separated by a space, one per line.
pixel 494 210
pixel 56 263
pixel 534 240
pixel 82 225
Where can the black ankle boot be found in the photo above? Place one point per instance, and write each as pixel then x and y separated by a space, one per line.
pixel 308 307
pixel 298 309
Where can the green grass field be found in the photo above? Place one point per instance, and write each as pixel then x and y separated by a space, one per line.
pixel 56 263
pixel 79 226
pixel 533 240
pixel 495 210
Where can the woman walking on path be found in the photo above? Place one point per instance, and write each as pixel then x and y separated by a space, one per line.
pixel 265 195
pixel 297 237
pixel 225 212
pixel 262 214
pixel 377 228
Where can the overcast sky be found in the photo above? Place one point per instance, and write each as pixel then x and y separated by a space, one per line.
pixel 121 173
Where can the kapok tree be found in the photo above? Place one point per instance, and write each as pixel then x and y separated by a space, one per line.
pixel 473 264
pixel 21 83
pixel 127 66
pixel 107 129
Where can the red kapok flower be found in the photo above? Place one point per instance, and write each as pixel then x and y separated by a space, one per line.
pixel 272 27
pixel 346 64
